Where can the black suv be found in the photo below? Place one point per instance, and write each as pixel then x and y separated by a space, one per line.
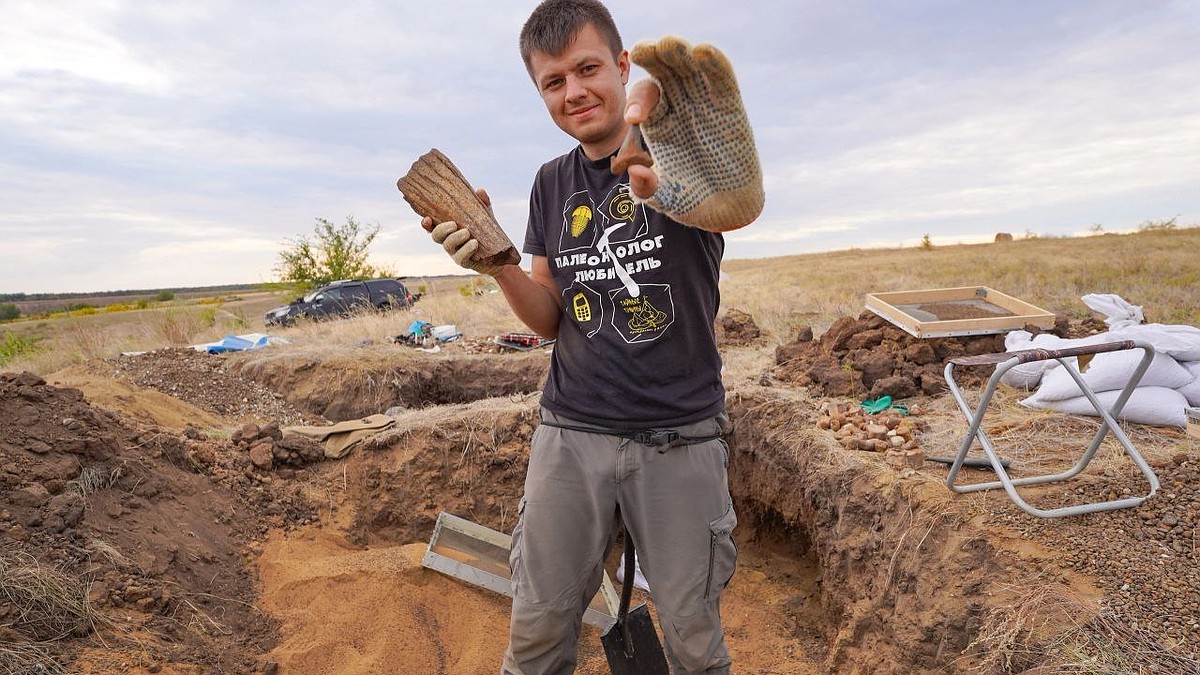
pixel 340 298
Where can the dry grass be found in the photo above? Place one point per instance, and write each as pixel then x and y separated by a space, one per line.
pixel 1047 629
pixel 443 303
pixel 22 659
pixel 67 340
pixel 43 604
pixel 1154 269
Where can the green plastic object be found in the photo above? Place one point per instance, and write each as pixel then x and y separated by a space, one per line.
pixel 872 406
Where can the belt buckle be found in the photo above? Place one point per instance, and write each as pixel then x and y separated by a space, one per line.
pixel 656 437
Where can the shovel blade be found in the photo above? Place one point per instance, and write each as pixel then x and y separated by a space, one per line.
pixel 645 654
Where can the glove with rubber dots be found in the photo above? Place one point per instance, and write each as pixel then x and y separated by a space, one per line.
pixel 699 137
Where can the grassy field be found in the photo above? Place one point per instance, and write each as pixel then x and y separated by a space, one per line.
pixel 1158 270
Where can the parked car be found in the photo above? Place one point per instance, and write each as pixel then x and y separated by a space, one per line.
pixel 341 298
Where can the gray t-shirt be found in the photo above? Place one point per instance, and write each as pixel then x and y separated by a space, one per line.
pixel 635 345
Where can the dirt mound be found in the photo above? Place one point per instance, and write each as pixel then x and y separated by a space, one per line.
pixel 145 405
pixel 203 380
pixel 150 524
pixel 343 388
pixel 869 357
pixel 735 328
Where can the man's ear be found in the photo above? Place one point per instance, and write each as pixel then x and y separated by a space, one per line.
pixel 623 65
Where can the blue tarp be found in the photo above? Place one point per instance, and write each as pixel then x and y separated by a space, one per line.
pixel 236 343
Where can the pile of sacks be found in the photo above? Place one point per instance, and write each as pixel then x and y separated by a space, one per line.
pixel 1171 383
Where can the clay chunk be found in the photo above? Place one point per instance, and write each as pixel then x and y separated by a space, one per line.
pixel 435 188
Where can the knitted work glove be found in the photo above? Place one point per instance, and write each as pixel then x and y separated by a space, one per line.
pixel 699 137
pixel 458 242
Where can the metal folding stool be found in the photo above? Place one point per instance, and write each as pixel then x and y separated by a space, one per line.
pixel 1007 360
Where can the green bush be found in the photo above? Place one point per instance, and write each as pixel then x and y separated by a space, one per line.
pixel 335 252
pixel 76 307
pixel 13 345
pixel 9 311
pixel 164 296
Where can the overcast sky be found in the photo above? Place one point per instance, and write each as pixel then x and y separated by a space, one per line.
pixel 166 144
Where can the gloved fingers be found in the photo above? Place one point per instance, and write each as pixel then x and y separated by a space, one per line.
pixel 645 54
pixel 717 69
pixel 676 54
pixel 463 255
pixel 455 240
pixel 443 230
pixel 662 59
pixel 705 162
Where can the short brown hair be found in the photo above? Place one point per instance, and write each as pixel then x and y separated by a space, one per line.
pixel 552 26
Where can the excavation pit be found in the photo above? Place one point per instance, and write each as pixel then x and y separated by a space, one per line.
pixel 846 565
pixel 843 566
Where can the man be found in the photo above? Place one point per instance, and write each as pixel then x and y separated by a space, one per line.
pixel 633 407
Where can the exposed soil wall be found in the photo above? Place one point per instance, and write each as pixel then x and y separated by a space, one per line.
pixel 902 582
pixel 341 389
pixel 149 528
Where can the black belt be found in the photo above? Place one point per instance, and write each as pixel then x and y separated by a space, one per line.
pixel 656 438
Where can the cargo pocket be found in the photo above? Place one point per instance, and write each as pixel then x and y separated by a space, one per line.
pixel 722 553
pixel 518 584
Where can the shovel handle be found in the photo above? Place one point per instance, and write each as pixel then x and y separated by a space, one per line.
pixel 627 593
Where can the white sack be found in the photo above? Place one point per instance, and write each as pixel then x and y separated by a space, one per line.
pixel 1025 375
pixel 1125 323
pixel 1147 405
pixel 1028 375
pixel 1117 313
pixel 1191 390
pixel 1177 340
pixel 1112 370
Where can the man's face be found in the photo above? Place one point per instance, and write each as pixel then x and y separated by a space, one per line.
pixel 584 90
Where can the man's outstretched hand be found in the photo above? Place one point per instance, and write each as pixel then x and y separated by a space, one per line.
pixel 458 242
pixel 706 172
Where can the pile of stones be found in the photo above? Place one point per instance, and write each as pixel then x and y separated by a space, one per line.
pixel 890 432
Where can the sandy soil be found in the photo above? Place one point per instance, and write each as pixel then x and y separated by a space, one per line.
pixel 135 478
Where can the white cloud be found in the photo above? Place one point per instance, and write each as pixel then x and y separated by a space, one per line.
pixel 151 143
pixel 71 39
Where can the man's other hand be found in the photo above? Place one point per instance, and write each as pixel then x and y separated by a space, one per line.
pixel 458 242
pixel 706 170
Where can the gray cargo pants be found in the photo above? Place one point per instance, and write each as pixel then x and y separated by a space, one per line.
pixel 675 503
